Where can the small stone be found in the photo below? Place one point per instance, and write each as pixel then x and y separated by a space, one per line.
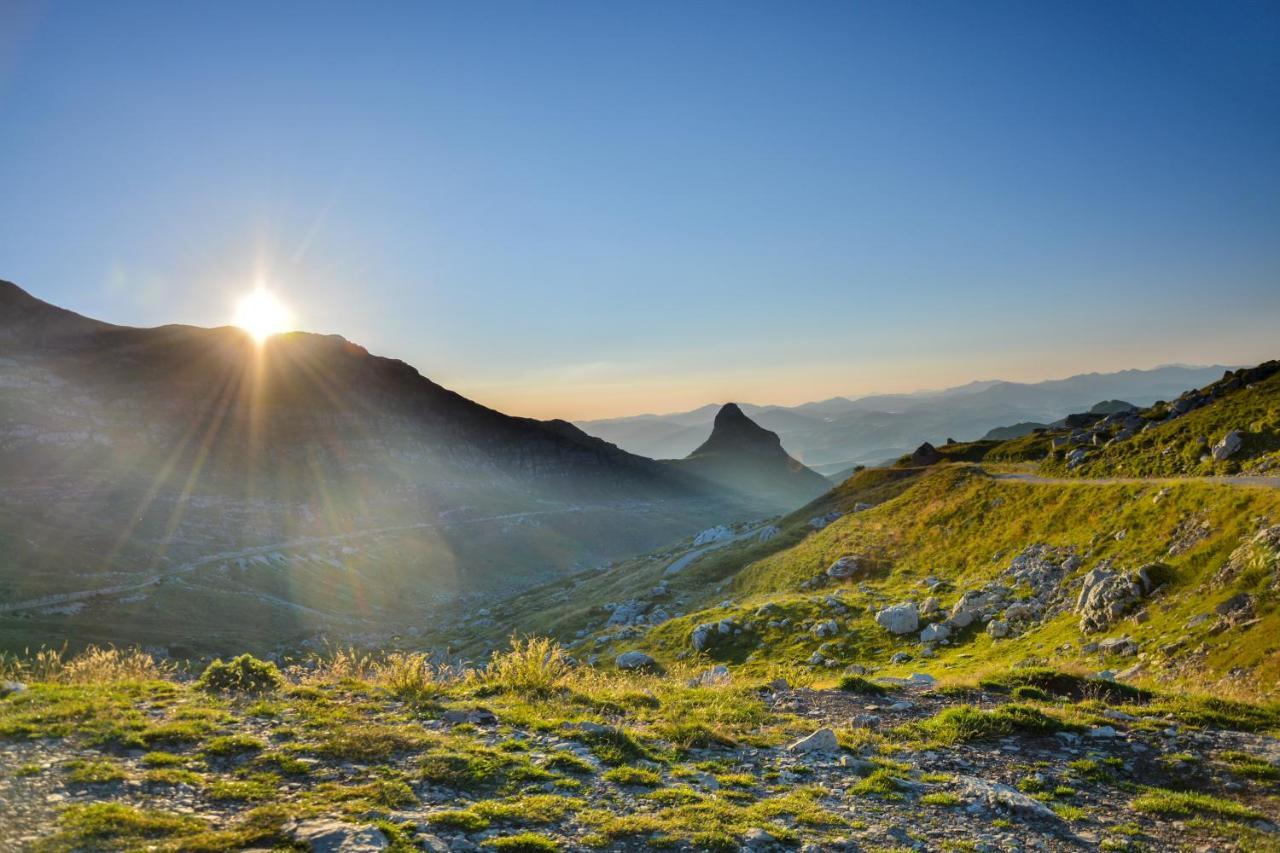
pixel 823 740
pixel 634 661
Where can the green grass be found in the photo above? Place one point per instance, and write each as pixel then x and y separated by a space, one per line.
pixel 107 826
pixel 524 842
pixel 1168 803
pixel 964 723
pixel 857 684
pixel 633 776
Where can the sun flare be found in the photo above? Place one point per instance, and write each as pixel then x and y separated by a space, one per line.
pixel 262 315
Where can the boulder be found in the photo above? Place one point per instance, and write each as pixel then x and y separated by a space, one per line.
pixel 8 688
pixel 634 661
pixel 825 629
pixel 767 533
pixel 845 567
pixel 719 533
pixel 1105 596
pixel 998 628
pixel 823 740
pixel 1228 445
pixel 702 635
pixel 900 618
pixel 820 521
pixel 331 836
pixel 925 454
pixel 935 633
pixel 1118 646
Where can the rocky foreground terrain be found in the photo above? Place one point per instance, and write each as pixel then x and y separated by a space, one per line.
pixel 537 752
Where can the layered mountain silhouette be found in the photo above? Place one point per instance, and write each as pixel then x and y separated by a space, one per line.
pixel 833 434
pixel 216 483
pixel 745 457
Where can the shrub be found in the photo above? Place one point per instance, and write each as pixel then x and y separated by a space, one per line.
pixel 243 674
pixel 533 665
pixel 858 684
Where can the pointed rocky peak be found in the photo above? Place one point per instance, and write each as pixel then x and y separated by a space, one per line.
pixel 732 430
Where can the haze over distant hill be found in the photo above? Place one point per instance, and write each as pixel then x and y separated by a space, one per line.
pixel 185 480
pixel 830 434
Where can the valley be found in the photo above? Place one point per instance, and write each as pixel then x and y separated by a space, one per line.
pixel 374 615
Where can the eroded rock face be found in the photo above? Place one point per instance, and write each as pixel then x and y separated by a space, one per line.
pixel 1105 597
pixel 900 618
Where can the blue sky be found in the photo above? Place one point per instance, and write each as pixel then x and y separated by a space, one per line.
pixel 587 209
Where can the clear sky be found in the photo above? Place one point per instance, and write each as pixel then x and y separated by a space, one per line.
pixel 589 209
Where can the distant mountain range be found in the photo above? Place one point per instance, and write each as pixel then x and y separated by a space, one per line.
pixel 831 435
pixel 184 480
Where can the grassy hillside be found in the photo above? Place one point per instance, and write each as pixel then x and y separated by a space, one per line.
pixel 964 527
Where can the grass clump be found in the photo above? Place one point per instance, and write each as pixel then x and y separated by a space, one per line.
pixel 1250 766
pixel 110 826
pixel 1061 684
pixel 565 761
pixel 243 674
pixel 94 665
pixel 535 665
pixel 1162 801
pixel 857 684
pixel 236 744
pixel 93 772
pixel 964 723
pixel 940 798
pixel 633 776
pixel 525 842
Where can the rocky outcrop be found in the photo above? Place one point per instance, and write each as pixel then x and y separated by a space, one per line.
pixel 1105 597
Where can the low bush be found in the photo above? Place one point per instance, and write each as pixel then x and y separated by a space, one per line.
pixel 243 674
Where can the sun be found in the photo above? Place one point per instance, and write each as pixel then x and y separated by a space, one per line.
pixel 262 315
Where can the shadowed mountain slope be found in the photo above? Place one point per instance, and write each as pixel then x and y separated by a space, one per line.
pixel 335 485
pixel 743 456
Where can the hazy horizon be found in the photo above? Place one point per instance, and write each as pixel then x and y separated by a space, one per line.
pixel 585 212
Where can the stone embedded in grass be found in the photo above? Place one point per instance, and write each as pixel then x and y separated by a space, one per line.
pixel 935 633
pixel 821 741
pixel 331 836
pixel 635 661
pixel 996 795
